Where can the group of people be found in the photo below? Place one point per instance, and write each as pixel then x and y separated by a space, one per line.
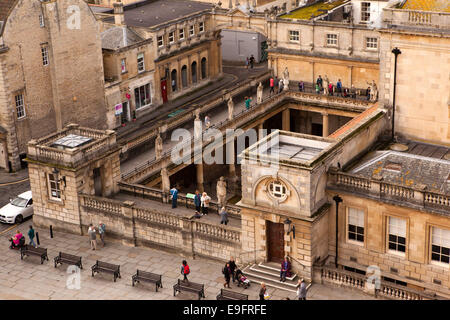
pixel 18 240
pixel 92 234
pixel 301 291
pixel 328 88
pixel 275 83
pixel 250 61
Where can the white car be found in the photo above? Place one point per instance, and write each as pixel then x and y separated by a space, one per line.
pixel 17 209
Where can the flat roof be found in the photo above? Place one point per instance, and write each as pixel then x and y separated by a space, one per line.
pixel 294 148
pixel 151 13
pixel 427 5
pixel 71 141
pixel 316 9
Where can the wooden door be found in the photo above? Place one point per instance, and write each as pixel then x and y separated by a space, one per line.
pixel 275 241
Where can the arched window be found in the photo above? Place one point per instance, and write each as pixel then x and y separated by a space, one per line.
pixel 184 81
pixel 173 80
pixel 203 66
pixel 194 71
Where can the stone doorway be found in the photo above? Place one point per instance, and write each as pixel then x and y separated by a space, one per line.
pixel 275 241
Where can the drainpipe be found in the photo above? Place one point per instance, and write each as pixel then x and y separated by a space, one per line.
pixel 337 199
pixel 396 51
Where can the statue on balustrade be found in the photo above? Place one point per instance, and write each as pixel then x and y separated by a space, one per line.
pixel 373 91
pixel 326 83
pixel 158 146
pixel 230 108
pixel 259 93
pixel 221 190
pixel 165 180
pixel 285 79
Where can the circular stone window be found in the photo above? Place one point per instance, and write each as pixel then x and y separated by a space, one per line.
pixel 277 190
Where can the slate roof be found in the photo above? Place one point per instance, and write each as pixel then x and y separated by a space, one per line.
pixel 119 37
pixel 151 13
pixel 408 170
pixel 427 5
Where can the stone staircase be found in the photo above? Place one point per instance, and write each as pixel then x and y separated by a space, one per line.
pixel 269 273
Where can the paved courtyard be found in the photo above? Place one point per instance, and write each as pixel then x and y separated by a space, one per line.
pixel 28 279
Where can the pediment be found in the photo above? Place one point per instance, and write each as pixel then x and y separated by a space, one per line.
pixel 236 12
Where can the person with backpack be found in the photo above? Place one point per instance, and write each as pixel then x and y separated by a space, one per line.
pixel 185 270
pixel 31 236
pixel 252 61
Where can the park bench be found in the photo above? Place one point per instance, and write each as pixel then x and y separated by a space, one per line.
pixel 100 266
pixel 231 295
pixel 189 287
pixel 68 259
pixel 147 277
pixel 27 250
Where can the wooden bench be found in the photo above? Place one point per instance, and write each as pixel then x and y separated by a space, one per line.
pixel 101 266
pixel 27 250
pixel 189 287
pixel 231 295
pixel 147 277
pixel 69 259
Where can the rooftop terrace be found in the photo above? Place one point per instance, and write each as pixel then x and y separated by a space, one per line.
pixel 313 10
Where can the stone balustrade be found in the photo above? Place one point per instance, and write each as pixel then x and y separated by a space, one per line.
pixel 217 231
pixel 102 204
pixel 154 216
pixel 343 278
pixel 375 188
pixel 413 18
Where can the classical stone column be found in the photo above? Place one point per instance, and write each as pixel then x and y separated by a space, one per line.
pixel 199 169
pixel 286 120
pixel 260 129
pixel 325 125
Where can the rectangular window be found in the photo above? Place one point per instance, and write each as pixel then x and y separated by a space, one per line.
pixel 172 37
pixel 201 27
pixel 356 224
pixel 55 190
pixel 41 21
pixel 440 245
pixel 142 96
pixel 181 34
pixel 123 65
pixel 332 39
pixel 397 235
pixel 44 51
pixel 191 31
pixel 365 11
pixel 140 62
pixel 160 41
pixel 294 36
pixel 20 106
pixel 371 43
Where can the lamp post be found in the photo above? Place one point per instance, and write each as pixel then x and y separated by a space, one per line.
pixel 396 51
pixel 338 200
pixel 288 228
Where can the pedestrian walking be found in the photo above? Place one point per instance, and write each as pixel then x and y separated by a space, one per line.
pixel 185 270
pixel 301 86
pixel 101 232
pixel 320 82
pixel 92 236
pixel 263 292
pixel 252 61
pixel 339 87
pixel 227 275
pixel 271 84
pixel 174 196
pixel 205 199
pixel 247 62
pixel 197 200
pixel 233 268
pixel 223 216
pixel 280 85
pixel 301 289
pixel 31 236
pixel 248 101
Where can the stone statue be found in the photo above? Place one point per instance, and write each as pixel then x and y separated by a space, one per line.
pixel 221 190
pixel 373 90
pixel 230 108
pixel 285 79
pixel 165 180
pixel 326 83
pixel 259 93
pixel 158 146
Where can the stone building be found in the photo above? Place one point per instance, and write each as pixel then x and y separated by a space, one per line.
pixel 173 49
pixel 51 72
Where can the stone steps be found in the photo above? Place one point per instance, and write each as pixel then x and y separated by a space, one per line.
pixel 269 273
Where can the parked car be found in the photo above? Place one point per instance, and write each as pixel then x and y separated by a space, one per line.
pixel 17 209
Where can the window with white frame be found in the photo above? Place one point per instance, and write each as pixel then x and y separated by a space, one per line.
pixel 332 39
pixel 172 37
pixel 181 34
pixel 44 51
pixel 142 96
pixel 201 27
pixel 397 235
pixel 294 36
pixel 123 65
pixel 440 245
pixel 371 43
pixel 191 31
pixel 140 62
pixel 54 187
pixel 365 11
pixel 160 41
pixel 355 224
pixel 41 21
pixel 20 106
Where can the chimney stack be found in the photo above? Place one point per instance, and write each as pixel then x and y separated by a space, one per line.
pixel 119 17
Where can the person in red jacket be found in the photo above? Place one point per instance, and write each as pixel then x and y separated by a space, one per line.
pixel 185 270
